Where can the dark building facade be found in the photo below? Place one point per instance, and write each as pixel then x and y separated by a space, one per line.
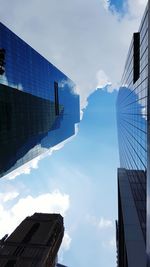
pixel 35 242
pixel 60 265
pixel 131 225
pixel 38 103
pixel 133 107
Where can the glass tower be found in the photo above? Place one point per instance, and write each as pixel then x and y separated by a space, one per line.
pixel 134 129
pixel 38 103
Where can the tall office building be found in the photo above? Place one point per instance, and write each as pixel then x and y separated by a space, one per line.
pixel 131 226
pixel 35 242
pixel 133 120
pixel 38 104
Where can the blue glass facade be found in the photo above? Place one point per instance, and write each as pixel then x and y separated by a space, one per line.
pixel 38 104
pixel 133 123
pixel 132 107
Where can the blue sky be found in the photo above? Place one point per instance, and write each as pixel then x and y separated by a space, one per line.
pixel 118 4
pixel 79 178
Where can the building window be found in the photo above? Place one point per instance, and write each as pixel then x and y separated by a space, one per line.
pixel 56 98
pixel 136 56
pixel 10 263
pixel 31 232
pixel 2 61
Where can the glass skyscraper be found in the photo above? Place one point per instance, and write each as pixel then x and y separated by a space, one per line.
pixel 38 103
pixel 133 136
pixel 131 225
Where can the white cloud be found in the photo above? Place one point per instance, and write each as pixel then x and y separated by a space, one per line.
pixel 105 223
pixel 102 79
pixel 110 244
pixel 65 245
pixel 4 197
pixel 136 7
pixel 66 242
pixel 55 202
pixel 101 223
pixel 106 4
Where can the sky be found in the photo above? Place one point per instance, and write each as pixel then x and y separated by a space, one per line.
pixel 88 40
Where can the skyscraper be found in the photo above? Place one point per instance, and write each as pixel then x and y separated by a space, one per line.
pixel 38 103
pixel 133 107
pixel 131 227
pixel 35 242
